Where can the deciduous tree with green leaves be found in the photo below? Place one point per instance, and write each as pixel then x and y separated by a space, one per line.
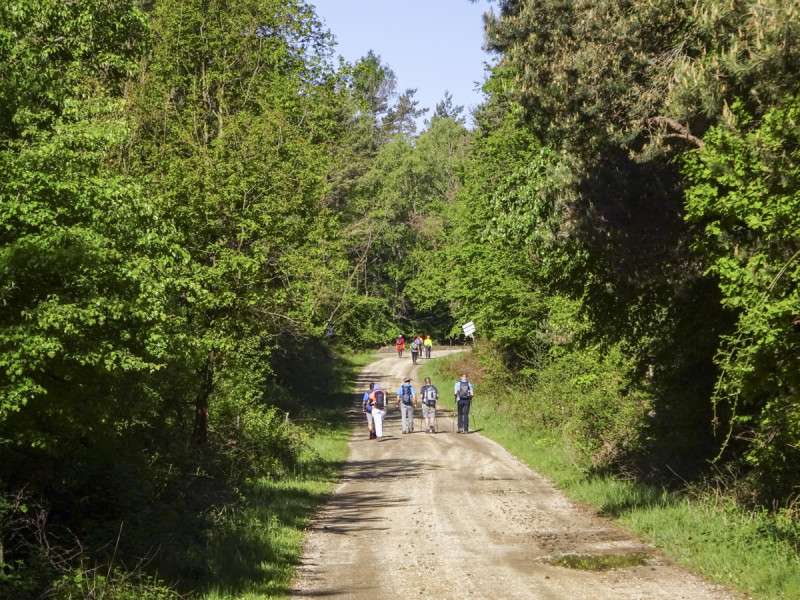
pixel 235 112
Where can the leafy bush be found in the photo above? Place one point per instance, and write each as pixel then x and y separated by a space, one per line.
pixel 744 194
pixel 254 437
pixel 589 393
pixel 109 583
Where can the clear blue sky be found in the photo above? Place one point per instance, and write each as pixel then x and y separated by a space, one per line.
pixel 431 45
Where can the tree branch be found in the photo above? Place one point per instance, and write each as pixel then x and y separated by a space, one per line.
pixel 682 131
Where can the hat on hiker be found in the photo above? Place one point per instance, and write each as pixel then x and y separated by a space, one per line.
pixel 407 379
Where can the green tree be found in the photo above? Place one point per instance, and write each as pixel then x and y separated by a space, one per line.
pixel 394 217
pixel 445 109
pixel 85 264
pixel 401 118
pixel 236 111
pixel 642 71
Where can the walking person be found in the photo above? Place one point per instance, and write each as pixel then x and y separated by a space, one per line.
pixel 407 401
pixel 429 395
pixel 400 344
pixel 379 405
pixel 428 345
pixel 366 408
pixel 415 348
pixel 463 393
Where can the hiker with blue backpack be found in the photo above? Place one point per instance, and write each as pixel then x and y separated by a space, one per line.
pixel 463 393
pixel 379 406
pixel 407 401
pixel 366 408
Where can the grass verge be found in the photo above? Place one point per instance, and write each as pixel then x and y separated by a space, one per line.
pixel 755 553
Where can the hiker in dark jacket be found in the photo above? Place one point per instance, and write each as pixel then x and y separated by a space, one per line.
pixel 416 347
pixel 463 393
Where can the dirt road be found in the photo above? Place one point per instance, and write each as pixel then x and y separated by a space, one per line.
pixel 456 516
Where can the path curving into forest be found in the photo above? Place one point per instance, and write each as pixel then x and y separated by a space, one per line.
pixel 456 516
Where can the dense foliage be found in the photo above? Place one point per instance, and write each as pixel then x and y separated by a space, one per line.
pixel 166 251
pixel 630 224
pixel 198 203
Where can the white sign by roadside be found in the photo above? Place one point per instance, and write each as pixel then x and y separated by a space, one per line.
pixel 469 328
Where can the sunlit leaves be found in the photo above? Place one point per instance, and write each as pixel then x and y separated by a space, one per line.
pixel 746 193
pixel 81 257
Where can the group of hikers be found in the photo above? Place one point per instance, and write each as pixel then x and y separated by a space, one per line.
pixel 418 345
pixel 375 405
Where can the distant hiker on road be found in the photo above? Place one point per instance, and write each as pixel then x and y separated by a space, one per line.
pixel 379 405
pixel 429 395
pixel 407 401
pixel 415 348
pixel 400 344
pixel 366 408
pixel 428 345
pixel 463 394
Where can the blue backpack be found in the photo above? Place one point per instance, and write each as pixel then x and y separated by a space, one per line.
pixel 405 394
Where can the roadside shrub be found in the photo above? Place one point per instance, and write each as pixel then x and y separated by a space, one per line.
pixel 109 583
pixel 256 438
pixel 589 394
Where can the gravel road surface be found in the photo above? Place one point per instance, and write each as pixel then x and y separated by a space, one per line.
pixel 456 516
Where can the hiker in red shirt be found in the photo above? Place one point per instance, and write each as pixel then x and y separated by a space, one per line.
pixel 400 344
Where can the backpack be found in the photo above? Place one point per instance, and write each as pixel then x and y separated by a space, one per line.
pixel 400 342
pixel 405 394
pixel 430 395
pixel 463 390
pixel 415 346
pixel 379 399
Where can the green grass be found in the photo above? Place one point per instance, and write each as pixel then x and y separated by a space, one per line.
pixel 258 548
pixel 756 553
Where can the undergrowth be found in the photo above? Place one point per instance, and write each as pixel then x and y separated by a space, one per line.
pixel 231 528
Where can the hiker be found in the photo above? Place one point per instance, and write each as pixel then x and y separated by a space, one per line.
pixel 415 348
pixel 407 401
pixel 366 408
pixel 463 394
pixel 429 395
pixel 379 405
pixel 400 344
pixel 428 345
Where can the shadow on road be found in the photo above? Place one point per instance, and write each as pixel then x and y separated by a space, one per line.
pixel 352 511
